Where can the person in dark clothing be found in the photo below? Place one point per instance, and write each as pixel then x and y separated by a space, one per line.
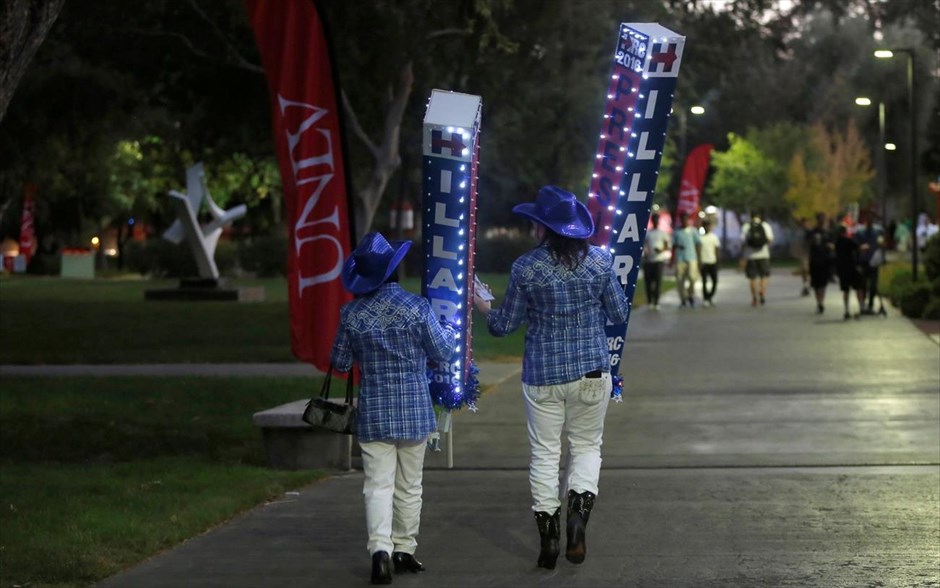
pixel 850 278
pixel 820 249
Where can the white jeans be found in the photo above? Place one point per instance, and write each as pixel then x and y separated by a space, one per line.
pixel 579 407
pixel 392 489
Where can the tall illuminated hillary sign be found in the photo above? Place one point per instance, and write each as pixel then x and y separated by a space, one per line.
pixel 633 133
pixel 451 146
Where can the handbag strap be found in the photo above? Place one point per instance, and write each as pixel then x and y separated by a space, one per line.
pixel 325 390
pixel 349 386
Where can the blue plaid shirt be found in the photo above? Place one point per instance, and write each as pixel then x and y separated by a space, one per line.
pixel 391 334
pixel 565 311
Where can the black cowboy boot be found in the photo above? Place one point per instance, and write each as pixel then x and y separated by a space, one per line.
pixel 380 572
pixel 550 530
pixel 579 511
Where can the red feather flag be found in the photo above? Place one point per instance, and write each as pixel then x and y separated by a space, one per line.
pixel 308 139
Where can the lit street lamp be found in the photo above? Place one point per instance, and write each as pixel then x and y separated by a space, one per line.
pixel 887 54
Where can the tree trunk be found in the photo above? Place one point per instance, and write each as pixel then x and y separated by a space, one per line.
pixel 24 25
pixel 386 155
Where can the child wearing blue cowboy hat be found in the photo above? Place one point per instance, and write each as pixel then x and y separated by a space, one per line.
pixel 391 334
pixel 566 290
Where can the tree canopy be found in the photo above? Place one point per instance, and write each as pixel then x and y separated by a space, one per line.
pixel 115 103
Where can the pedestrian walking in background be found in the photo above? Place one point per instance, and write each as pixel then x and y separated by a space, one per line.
pixel 756 238
pixel 391 334
pixel 566 290
pixel 924 231
pixel 847 268
pixel 902 236
pixel 685 247
pixel 656 254
pixel 871 257
pixel 889 244
pixel 821 251
pixel 710 247
pixel 800 252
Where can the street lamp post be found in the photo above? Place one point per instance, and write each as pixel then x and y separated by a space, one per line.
pixel 880 156
pixel 887 54
pixel 882 167
pixel 684 129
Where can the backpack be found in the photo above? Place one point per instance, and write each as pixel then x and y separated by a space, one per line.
pixel 756 236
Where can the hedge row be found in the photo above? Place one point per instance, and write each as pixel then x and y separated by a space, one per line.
pixel 267 256
pixel 261 256
pixel 919 299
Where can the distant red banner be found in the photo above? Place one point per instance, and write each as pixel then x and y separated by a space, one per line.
pixel 693 179
pixel 27 230
pixel 295 55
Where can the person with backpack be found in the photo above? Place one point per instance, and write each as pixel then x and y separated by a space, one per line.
pixel 756 237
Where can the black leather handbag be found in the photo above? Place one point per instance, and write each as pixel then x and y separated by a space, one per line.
pixel 333 416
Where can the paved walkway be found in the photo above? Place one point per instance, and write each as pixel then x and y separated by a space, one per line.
pixel 756 447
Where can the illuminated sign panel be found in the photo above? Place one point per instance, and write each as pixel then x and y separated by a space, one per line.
pixel 451 147
pixel 639 99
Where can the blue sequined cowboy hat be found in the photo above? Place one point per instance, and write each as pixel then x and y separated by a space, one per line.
pixel 560 211
pixel 372 262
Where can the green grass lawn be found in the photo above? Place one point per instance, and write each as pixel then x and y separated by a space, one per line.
pixel 108 321
pixel 56 321
pixel 97 474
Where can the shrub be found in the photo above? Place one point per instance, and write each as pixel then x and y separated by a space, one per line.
pixel 162 259
pixel 226 257
pixel 496 254
pixel 932 257
pixel 912 298
pixel 932 310
pixel 139 258
pixel 264 256
pixel 894 278
pixel 45 264
pixel 166 260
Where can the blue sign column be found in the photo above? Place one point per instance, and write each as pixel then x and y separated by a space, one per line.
pixel 630 147
pixel 451 146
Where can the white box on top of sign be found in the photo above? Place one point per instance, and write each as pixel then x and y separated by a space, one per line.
pixel 653 49
pixel 451 123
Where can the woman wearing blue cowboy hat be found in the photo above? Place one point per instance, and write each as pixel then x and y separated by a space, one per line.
pixel 566 290
pixel 391 334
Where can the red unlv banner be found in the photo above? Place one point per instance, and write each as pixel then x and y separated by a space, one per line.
pixel 295 55
pixel 693 179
